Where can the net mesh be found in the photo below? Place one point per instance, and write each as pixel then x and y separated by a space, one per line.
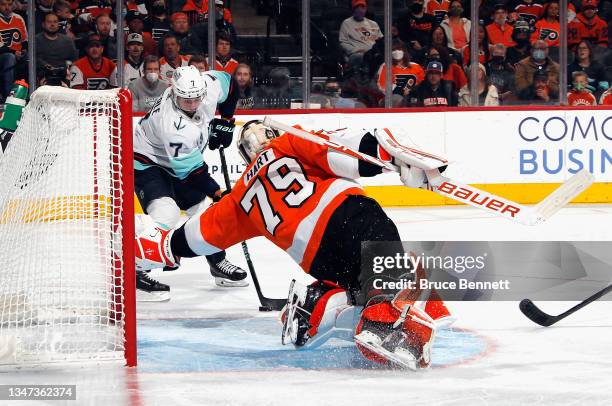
pixel 61 262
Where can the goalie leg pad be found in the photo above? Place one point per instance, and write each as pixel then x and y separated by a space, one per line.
pixel 316 313
pixel 152 245
pixel 401 338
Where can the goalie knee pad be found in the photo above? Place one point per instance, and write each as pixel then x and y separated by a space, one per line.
pixel 316 313
pixel 164 211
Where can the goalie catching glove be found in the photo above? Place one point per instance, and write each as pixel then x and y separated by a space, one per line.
pixel 221 132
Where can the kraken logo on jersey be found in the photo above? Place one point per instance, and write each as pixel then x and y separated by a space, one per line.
pixel 9 35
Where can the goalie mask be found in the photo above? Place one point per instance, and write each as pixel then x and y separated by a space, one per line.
pixel 254 137
pixel 188 89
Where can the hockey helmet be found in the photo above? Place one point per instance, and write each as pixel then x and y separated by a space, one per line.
pixel 254 137
pixel 188 88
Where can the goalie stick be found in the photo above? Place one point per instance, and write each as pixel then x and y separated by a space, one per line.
pixel 267 304
pixel 536 315
pixel 452 189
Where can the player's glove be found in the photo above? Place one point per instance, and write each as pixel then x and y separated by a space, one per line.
pixel 221 132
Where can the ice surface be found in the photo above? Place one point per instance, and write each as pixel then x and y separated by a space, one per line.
pixel 210 345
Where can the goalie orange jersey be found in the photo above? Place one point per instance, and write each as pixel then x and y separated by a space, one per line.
pixel 287 194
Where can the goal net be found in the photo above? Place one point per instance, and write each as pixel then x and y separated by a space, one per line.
pixel 66 231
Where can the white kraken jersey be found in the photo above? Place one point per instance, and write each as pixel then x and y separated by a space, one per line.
pixel 167 137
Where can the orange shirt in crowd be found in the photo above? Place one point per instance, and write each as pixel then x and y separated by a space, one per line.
pixel 229 66
pixel 500 35
pixel 547 31
pixel 456 75
pixel 13 32
pixel 581 98
pixel 460 39
pixel 414 75
pixel 438 9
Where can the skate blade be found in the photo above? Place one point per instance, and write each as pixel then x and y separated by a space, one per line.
pixel 400 358
pixel 227 283
pixel 143 296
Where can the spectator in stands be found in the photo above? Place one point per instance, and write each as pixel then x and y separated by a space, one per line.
pixel 456 28
pixel 522 49
pixel 584 62
pixel 171 58
pixel 157 22
pixel 579 94
pixel 483 48
pixel 135 23
pixel 148 88
pixel 526 69
pixel 606 98
pixel 405 75
pixel 93 71
pixel 434 91
pixel 414 29
pixel 223 20
pixel 64 13
pixel 548 28
pixel 12 46
pixel 499 31
pixel 179 27
pixel 224 60
pixel 487 92
pixel 103 28
pixel 529 11
pixel 588 25
pixel 244 77
pixel 43 7
pixel 133 67
pixel 501 73
pixel 89 10
pixel 438 9
pixel 199 61
pixel 358 34
pixel 452 71
pixel 53 49
pixel 438 39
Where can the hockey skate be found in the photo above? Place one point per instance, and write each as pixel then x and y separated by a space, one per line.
pixel 150 290
pixel 228 275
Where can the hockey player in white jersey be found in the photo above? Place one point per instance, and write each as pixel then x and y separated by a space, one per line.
pixel 170 172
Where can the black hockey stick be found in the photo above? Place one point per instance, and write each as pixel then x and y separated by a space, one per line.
pixel 536 315
pixel 267 304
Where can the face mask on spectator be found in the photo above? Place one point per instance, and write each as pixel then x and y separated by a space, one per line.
pixel 416 7
pixel 498 59
pixel 431 58
pixel 332 91
pixel 152 77
pixel 455 11
pixel 578 86
pixel 538 54
pixel 398 54
pixel 359 13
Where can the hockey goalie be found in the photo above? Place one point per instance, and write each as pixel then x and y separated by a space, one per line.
pixel 304 198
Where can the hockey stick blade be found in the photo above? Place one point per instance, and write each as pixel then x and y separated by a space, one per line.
pixel 536 315
pixel 565 193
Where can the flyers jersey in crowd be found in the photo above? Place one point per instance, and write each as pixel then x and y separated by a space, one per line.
pixel 87 76
pixel 547 31
pixel 166 69
pixel 582 98
pixel 402 76
pixel 13 32
pixel 287 194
